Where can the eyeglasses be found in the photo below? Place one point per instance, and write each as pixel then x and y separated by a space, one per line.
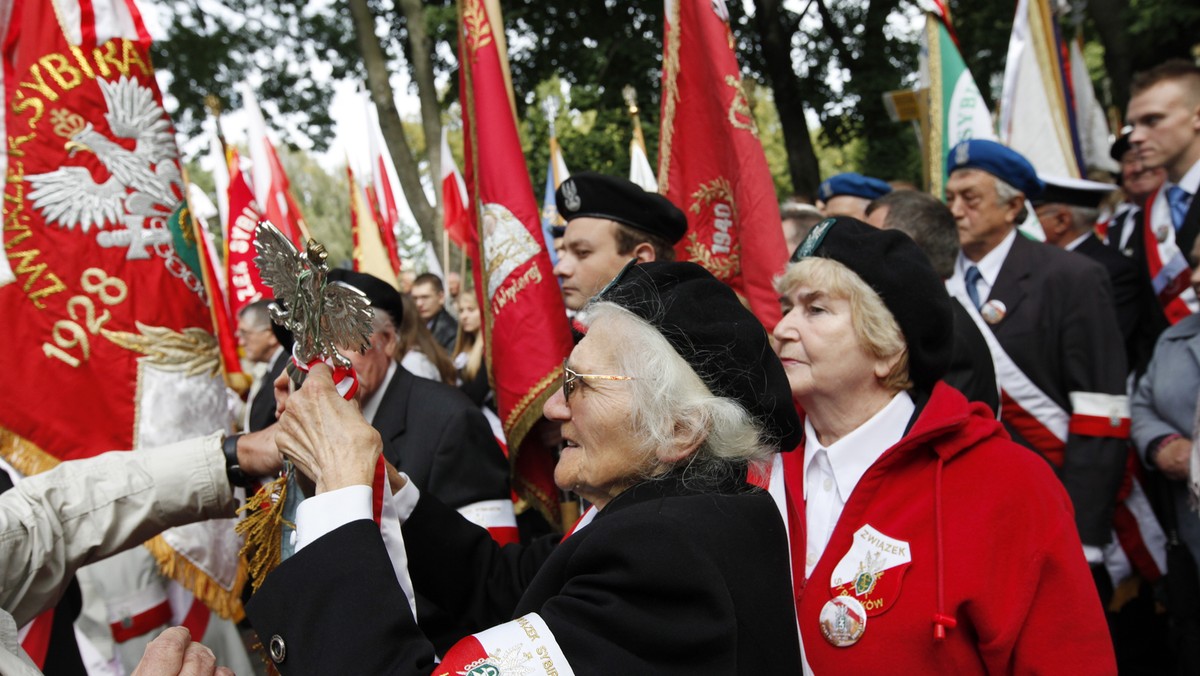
pixel 570 378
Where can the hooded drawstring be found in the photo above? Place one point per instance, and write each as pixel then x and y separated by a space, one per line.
pixel 941 621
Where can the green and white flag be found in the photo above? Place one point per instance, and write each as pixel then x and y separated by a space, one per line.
pixel 956 110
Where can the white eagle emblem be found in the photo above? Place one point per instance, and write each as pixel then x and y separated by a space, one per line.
pixel 144 183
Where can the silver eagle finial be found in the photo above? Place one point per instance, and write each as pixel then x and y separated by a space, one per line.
pixel 322 315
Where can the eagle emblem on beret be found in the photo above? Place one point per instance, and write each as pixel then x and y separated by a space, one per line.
pixel 571 196
pixel 962 154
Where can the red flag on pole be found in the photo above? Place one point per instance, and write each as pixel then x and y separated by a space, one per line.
pixel 241 274
pixel 380 194
pixel 711 162
pixel 369 256
pixel 455 219
pixel 108 341
pixel 525 325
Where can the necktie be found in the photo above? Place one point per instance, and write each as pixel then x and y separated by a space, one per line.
pixel 1177 198
pixel 972 278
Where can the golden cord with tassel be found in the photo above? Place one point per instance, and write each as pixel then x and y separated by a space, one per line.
pixel 262 529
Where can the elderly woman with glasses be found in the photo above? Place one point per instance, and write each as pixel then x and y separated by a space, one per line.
pixel 922 536
pixel 669 401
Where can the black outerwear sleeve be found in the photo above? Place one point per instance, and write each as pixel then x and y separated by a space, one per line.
pixel 338 608
pixel 458 566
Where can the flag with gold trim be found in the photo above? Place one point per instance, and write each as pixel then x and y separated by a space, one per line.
pixel 107 329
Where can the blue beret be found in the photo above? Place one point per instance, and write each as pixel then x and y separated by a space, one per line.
pixel 998 160
pixel 854 185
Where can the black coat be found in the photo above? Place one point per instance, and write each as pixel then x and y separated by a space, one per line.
pixel 664 581
pixel 435 434
pixel 262 407
pixel 1133 220
pixel 1133 301
pixel 1061 330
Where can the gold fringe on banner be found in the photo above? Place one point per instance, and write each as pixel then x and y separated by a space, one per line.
pixel 226 603
pixel 262 529
pixel 24 455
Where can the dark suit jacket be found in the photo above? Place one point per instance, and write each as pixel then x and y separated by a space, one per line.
pixel 665 580
pixel 262 407
pixel 1132 299
pixel 435 434
pixel 971 369
pixel 444 329
pixel 1151 322
pixel 1061 331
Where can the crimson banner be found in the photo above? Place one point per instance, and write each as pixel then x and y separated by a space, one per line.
pixel 106 340
pixel 525 325
pixel 711 162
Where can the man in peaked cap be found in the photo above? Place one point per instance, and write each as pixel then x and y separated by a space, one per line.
pixel 1068 209
pixel 849 194
pixel 610 221
pixel 1049 320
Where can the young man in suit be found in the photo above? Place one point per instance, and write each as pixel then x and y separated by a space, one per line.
pixel 1164 113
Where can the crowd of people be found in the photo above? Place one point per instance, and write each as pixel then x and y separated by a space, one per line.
pixel 961 450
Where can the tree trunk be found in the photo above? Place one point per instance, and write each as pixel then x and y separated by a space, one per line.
pixel 789 98
pixel 420 48
pixel 1110 17
pixel 384 98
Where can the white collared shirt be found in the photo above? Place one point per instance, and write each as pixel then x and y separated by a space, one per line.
pixel 989 266
pixel 831 473
pixel 371 406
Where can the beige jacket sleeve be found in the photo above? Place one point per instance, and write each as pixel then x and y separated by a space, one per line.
pixel 85 510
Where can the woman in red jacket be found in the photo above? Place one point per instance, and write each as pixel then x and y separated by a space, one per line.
pixel 923 539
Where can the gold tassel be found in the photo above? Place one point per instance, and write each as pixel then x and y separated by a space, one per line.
pixel 262 529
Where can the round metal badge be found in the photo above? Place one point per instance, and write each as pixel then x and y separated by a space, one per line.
pixel 843 621
pixel 993 311
pixel 1161 232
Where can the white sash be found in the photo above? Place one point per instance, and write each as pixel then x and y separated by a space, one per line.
pixel 1174 261
pixel 1009 376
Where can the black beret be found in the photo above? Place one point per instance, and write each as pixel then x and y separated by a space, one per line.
pixel 598 196
pixel 381 294
pixel 719 338
pixel 892 264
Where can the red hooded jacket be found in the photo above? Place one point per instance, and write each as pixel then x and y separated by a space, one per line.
pixel 995 563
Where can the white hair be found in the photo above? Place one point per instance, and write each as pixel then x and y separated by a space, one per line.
pixel 1006 193
pixel 667 393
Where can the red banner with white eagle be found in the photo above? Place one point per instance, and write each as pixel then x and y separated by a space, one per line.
pixel 106 340
pixel 711 162
pixel 525 325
